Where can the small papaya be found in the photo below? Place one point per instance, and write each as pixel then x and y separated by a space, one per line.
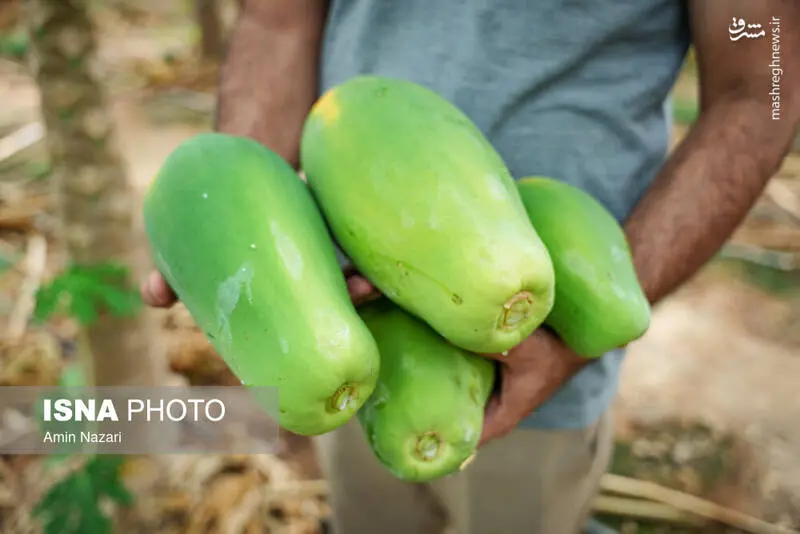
pixel 599 302
pixel 425 418
pixel 239 238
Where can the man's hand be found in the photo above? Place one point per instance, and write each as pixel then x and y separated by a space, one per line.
pixel 156 292
pixel 361 290
pixel 528 375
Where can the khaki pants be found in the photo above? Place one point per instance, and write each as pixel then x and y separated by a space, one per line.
pixel 530 482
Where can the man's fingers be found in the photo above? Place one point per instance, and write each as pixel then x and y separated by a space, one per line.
pixel 500 415
pixel 490 414
pixel 358 286
pixel 360 289
pixel 497 420
pixel 156 292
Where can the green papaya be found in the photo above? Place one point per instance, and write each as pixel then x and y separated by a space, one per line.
pixel 427 210
pixel 425 417
pixel 238 237
pixel 599 302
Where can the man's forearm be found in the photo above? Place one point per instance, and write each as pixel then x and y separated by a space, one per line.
pixel 705 191
pixel 269 78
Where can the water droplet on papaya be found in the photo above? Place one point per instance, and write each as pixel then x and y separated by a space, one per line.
pixel 205 195
pixel 253 246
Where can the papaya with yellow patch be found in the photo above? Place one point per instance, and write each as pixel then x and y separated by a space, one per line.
pixel 427 210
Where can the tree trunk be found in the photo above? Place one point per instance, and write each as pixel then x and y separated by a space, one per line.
pixel 9 11
pixel 208 19
pixel 89 182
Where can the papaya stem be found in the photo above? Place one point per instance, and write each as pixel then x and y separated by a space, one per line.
pixel 428 446
pixel 517 309
pixel 343 397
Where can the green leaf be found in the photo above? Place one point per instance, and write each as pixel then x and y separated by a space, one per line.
pixel 88 291
pixel 72 506
pixel 14 45
pixel 121 304
pixel 71 385
pixel 72 376
pixel 83 309
pixel 47 298
pixel 38 170
pixel 106 474
pixel 55 460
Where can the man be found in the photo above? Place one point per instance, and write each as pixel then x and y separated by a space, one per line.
pixel 573 89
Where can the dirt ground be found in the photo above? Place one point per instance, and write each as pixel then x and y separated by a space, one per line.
pixel 708 399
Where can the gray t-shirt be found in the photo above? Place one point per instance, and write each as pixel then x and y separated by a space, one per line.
pixel 572 89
